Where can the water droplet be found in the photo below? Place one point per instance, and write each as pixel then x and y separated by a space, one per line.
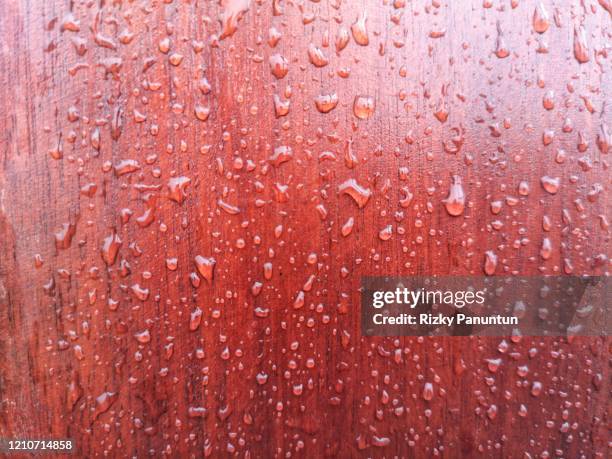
pixel 281 154
pixel 347 228
pixel 501 48
pixel 110 247
pixel 363 107
pixel 316 56
pixel 177 188
pixel 581 48
pixel 143 337
pixel 550 184
pixel 541 20
pixel 455 201
pixel 360 31
pixel 279 66
pixel 205 267
pixel 232 14
pixel 342 39
pixel 325 103
pixel 281 107
pixel 490 264
pixel 428 391
pixel 195 319
pixel 546 249
pixel 385 233
pixel 104 402
pixel 202 112
pixel 359 194
pixel 549 100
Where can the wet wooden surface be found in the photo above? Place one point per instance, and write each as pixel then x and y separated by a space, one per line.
pixel 138 136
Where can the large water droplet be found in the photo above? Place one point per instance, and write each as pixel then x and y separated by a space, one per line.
pixel 363 107
pixel 455 201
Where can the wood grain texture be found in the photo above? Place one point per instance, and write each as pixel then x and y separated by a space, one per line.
pixel 109 107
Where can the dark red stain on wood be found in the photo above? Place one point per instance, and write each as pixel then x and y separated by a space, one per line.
pixel 137 137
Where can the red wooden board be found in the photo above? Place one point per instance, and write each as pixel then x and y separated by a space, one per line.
pixel 191 191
